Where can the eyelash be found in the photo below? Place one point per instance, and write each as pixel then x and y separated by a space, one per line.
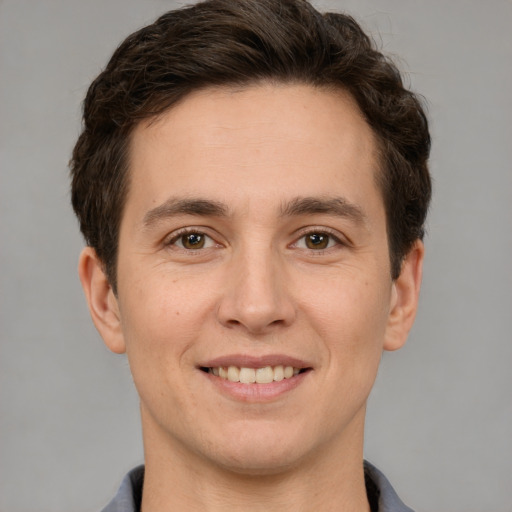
pixel 324 232
pixel 172 242
pixel 188 231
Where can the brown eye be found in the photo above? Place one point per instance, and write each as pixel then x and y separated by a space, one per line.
pixel 192 241
pixel 317 241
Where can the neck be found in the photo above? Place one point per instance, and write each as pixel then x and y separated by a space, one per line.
pixel 330 479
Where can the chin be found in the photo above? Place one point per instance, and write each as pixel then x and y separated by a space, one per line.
pixel 262 453
pixel 258 464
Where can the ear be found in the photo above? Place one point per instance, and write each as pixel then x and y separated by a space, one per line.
pixel 404 298
pixel 101 300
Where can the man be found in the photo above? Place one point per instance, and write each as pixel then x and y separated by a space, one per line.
pixel 252 184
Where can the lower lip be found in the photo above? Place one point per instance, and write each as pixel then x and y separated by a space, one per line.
pixel 256 392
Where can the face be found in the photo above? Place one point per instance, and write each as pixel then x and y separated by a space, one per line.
pixel 253 247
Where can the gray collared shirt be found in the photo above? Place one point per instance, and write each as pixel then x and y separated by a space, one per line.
pixel 381 495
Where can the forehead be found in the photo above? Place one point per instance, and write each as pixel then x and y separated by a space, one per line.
pixel 254 146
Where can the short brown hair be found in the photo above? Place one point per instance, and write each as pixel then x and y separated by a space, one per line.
pixel 241 42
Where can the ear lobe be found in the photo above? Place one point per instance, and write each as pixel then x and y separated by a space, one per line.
pixel 101 300
pixel 405 296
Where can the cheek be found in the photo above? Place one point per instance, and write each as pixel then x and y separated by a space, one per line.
pixel 350 316
pixel 162 317
pixel 161 324
pixel 350 304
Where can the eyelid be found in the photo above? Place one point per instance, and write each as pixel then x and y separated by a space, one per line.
pixel 334 234
pixel 171 239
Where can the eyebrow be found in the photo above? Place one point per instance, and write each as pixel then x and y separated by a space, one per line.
pixel 178 206
pixel 337 206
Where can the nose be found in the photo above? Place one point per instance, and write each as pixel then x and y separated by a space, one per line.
pixel 256 296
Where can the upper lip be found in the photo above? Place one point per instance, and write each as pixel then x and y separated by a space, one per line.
pixel 248 361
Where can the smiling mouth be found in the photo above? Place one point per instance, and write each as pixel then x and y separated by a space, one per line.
pixel 264 375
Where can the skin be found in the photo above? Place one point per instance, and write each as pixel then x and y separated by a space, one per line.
pixel 257 288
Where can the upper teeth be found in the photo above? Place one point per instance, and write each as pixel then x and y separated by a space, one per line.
pixel 255 375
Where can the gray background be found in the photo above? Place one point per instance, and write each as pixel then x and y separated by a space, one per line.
pixel 440 416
